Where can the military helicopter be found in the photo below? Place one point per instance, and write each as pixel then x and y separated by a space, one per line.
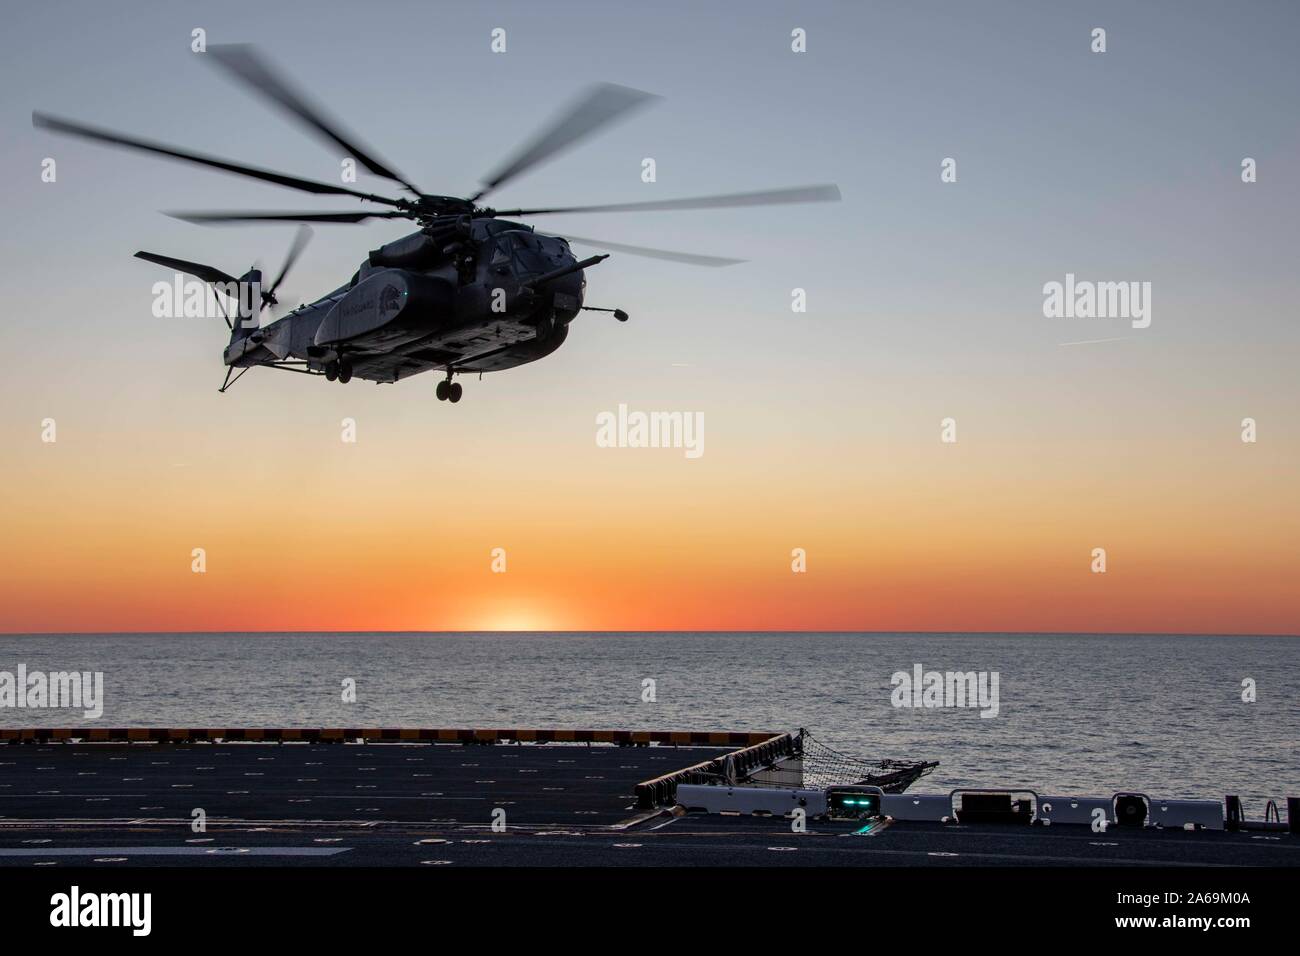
pixel 472 291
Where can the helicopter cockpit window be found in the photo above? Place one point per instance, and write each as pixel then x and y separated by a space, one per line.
pixel 515 249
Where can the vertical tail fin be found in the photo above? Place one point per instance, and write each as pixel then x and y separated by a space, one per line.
pixel 245 309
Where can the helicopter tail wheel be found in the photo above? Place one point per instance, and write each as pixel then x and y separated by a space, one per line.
pixel 331 370
pixel 454 392
pixel 443 390
pixel 345 370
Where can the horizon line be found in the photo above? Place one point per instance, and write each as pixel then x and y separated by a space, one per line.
pixel 384 631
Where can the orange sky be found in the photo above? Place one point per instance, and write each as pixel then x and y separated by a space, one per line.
pixel 902 532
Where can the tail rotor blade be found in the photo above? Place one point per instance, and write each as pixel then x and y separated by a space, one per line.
pixel 300 240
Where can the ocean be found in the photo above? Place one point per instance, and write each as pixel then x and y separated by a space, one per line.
pixel 1076 714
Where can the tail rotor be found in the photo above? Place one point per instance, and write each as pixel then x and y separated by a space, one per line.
pixel 300 240
pixel 246 291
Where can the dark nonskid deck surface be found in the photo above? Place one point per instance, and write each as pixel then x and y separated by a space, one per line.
pixel 381 782
pixel 412 805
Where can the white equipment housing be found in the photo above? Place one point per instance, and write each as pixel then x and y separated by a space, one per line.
pixel 1079 810
pixel 1180 813
pixel 923 808
pixel 748 800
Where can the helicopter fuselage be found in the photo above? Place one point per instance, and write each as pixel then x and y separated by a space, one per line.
pixel 461 298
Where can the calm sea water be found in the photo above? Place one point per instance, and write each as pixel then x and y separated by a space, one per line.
pixel 1085 714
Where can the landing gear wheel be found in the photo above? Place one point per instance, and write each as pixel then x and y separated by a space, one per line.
pixel 443 389
pixel 454 391
pixel 345 370
pixel 331 370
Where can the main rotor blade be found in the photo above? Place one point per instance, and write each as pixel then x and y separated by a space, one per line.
pixel 202 218
pixel 245 64
pixel 686 257
pixel 208 274
pixel 70 128
pixel 600 106
pixel 299 243
pixel 767 197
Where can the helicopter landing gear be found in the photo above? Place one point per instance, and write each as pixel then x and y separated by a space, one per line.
pixel 339 370
pixel 449 391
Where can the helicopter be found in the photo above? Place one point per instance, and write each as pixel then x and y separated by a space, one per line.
pixel 474 290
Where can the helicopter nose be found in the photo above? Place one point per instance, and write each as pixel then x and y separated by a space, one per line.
pixel 567 295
